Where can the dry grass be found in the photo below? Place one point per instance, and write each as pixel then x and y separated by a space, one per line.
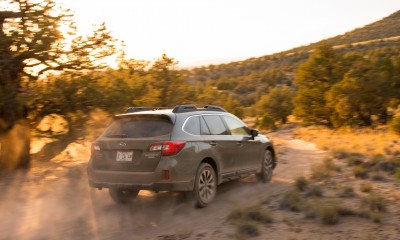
pixel 324 170
pixel 347 192
pixel 247 221
pixel 369 142
pixel 374 202
pixel 366 187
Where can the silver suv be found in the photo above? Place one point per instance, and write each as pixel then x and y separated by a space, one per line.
pixel 186 148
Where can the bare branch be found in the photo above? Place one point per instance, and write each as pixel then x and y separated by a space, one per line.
pixel 9 14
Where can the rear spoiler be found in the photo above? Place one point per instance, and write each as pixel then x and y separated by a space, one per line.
pixel 141 109
pixel 169 117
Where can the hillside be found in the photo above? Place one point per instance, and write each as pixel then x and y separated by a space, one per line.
pixel 383 29
pixel 279 68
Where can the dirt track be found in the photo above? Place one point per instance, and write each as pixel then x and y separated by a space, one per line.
pixel 58 204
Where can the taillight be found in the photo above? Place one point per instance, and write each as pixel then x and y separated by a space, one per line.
pixel 167 148
pixel 95 147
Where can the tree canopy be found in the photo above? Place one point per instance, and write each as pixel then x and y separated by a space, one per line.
pixel 37 37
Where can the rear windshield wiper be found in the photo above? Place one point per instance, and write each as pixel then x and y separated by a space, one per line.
pixel 117 136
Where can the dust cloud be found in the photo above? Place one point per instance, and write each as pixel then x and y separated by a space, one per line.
pixel 34 206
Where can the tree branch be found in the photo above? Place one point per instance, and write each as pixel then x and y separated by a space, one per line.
pixel 9 14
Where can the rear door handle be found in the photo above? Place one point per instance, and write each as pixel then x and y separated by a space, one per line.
pixel 213 143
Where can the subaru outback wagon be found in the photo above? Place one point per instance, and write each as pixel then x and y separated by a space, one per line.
pixel 186 149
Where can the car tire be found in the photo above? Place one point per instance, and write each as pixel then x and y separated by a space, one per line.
pixel 205 187
pixel 267 166
pixel 122 196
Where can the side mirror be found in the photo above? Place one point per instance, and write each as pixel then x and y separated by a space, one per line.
pixel 254 133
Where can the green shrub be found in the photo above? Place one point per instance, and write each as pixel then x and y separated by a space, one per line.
pixel 329 214
pixel 291 200
pixel 375 216
pixel 377 158
pixel 256 214
pixel 301 183
pixel 394 124
pixel 266 122
pixel 365 187
pixel 340 154
pixel 260 216
pixel 246 221
pixel 325 170
pixel 354 160
pixel 320 173
pixel 346 211
pixel 397 174
pixel 248 229
pixel 330 165
pixel 314 191
pixel 374 202
pixel 360 171
pixel 350 157
pixel 347 192
pixel 378 176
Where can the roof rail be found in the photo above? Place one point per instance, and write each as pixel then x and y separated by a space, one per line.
pixel 184 108
pixel 214 108
pixel 140 109
pixel 191 108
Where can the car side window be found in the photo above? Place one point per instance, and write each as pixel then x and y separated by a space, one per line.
pixel 235 126
pixel 203 127
pixel 215 124
pixel 192 125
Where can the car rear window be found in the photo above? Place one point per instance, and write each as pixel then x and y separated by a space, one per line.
pixel 138 127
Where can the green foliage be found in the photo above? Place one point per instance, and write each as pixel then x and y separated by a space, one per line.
pixel 246 220
pixel 336 90
pixel 292 201
pixel 266 122
pixel 374 202
pixel 314 191
pixel 135 83
pixel 360 171
pixel 247 229
pixel 375 216
pixel 32 44
pixel 277 103
pixel 395 124
pixel 314 78
pixel 397 174
pixel 329 213
pixel 365 187
pixel 351 97
pixel 256 214
pixel 347 192
pixel 232 105
pixel 335 84
pixel 301 183
pixel 324 171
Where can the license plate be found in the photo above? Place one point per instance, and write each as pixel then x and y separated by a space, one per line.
pixel 124 156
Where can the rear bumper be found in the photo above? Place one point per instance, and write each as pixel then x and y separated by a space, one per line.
pixel 158 186
pixel 134 180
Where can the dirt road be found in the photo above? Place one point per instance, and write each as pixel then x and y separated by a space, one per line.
pixel 58 204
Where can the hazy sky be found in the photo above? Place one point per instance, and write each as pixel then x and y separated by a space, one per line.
pixel 199 32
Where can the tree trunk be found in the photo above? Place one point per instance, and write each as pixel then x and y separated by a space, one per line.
pixel 14 130
pixel 15 147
